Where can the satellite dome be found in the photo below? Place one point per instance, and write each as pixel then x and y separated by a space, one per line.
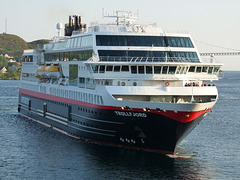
pixel 59 26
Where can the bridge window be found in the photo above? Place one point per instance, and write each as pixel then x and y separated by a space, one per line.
pixel 184 70
pixel 140 69
pixel 164 69
pixel 116 68
pixel 204 69
pixel 199 69
pixel 191 69
pixel 216 70
pixel 148 69
pixel 172 69
pixel 181 70
pixel 134 69
pixel 210 70
pixel 157 69
pixel 125 68
pixel 102 69
pixel 109 68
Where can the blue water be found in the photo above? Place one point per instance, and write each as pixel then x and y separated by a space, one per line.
pixel 29 150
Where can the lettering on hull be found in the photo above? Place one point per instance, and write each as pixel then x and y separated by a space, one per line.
pixel 130 114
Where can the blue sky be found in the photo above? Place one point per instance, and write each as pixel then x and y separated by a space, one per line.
pixel 211 21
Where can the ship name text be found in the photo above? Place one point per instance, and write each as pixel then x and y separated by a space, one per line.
pixel 130 114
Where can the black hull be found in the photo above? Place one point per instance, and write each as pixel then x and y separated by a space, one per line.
pixel 146 131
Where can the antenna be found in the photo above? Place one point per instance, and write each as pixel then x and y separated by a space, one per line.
pixel 6 26
pixel 123 17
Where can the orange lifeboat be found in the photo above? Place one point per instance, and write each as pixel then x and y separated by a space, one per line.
pixel 40 74
pixel 53 71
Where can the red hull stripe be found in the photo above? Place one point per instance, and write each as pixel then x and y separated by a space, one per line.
pixel 100 142
pixel 180 116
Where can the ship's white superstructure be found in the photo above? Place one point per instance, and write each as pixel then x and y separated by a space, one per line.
pixel 133 71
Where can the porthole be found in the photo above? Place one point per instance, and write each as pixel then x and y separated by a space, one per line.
pixel 134 83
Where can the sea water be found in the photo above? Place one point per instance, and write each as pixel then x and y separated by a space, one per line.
pixel 29 150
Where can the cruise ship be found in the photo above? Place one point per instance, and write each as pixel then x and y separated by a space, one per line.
pixel 120 84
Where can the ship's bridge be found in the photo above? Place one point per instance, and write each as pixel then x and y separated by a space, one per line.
pixel 154 70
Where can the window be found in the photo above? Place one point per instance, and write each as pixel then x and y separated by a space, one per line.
pixel 73 75
pixel 204 69
pixel 79 42
pixel 95 68
pixel 148 69
pixel 210 70
pixel 164 69
pixel 86 41
pixel 68 43
pixel 172 69
pixel 134 69
pixel 102 69
pixel 140 69
pixel 199 69
pixel 143 56
pixel 74 56
pixel 149 41
pixel 183 70
pixel 116 68
pixel 216 70
pixel 27 59
pixel 72 42
pixel 191 69
pixel 125 68
pixel 69 56
pixel 109 68
pixel 82 82
pixel 157 69
pixel 75 42
pixel 179 42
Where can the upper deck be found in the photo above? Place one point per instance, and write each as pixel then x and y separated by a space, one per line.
pixel 122 41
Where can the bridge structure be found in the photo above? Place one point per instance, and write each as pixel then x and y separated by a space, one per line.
pixel 220 54
pixel 213 53
pixel 217 50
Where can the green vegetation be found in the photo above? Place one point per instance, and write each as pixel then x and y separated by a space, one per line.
pixel 35 44
pixel 13 46
pixel 13 69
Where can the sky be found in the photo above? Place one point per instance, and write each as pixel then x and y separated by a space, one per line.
pixel 215 22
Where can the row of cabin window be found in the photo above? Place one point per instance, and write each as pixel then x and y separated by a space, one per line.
pixel 203 69
pixel 68 56
pixel 154 69
pixel 158 41
pixel 78 42
pixel 88 82
pixel 96 99
pixel 149 56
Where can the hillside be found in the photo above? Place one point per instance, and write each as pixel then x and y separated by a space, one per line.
pixel 14 45
pixel 34 44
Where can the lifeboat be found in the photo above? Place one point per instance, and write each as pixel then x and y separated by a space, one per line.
pixel 53 72
pixel 40 74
